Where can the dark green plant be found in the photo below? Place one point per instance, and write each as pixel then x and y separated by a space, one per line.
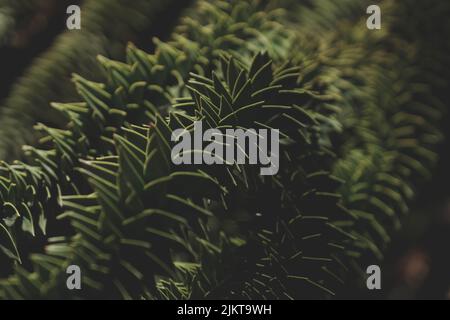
pixel 359 132
pixel 106 27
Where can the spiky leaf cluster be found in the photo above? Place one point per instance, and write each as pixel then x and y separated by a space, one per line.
pixel 359 130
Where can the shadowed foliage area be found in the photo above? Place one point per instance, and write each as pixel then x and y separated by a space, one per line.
pixel 88 180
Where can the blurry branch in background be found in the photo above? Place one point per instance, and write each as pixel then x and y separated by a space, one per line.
pixel 26 29
pixel 107 26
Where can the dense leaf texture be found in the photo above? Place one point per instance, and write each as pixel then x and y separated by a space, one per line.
pixel 358 127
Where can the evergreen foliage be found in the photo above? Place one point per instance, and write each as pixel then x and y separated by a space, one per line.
pixel 107 26
pixel 358 113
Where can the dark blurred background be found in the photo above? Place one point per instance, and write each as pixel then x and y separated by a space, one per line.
pixel 33 32
pixel 417 264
